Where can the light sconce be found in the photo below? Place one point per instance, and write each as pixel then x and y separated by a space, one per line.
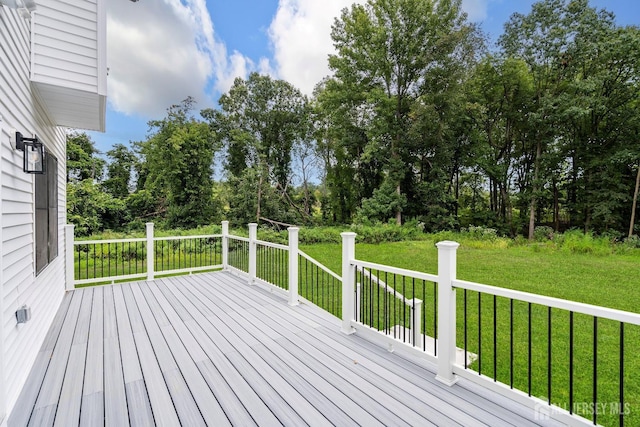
pixel 33 159
pixel 25 7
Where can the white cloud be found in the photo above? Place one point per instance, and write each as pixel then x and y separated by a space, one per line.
pixel 160 52
pixel 476 9
pixel 301 37
pixel 300 34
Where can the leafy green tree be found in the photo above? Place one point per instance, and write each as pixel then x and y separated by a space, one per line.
pixel 585 73
pixel 259 123
pixel 500 95
pixel 92 210
pixel 82 158
pixel 389 53
pixel 178 165
pixel 119 171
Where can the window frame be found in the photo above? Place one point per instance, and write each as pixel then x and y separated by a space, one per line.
pixel 46 234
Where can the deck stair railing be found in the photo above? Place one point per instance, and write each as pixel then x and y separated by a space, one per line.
pixel 528 347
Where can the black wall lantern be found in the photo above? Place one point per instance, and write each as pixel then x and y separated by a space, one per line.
pixel 33 159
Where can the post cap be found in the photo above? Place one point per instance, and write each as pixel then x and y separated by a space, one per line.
pixel 448 244
pixel 348 234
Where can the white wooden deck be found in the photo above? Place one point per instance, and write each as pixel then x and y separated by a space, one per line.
pixel 210 350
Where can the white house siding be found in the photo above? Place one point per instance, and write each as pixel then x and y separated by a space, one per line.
pixel 20 110
pixel 68 61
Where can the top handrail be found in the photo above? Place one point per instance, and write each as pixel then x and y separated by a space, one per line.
pixel 144 239
pixel 98 242
pixel 390 290
pixel 201 236
pixel 395 270
pixel 577 307
pixel 319 265
pixel 271 245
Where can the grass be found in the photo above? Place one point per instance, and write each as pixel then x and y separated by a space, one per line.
pixel 602 277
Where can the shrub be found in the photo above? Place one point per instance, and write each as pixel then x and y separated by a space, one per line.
pixel 543 233
pixel 575 241
pixel 632 242
pixel 480 233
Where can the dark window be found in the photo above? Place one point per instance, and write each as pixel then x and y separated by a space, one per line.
pixel 47 214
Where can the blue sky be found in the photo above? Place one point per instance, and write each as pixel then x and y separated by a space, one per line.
pixel 161 51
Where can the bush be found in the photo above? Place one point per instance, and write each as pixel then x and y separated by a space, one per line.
pixel 542 233
pixel 480 233
pixel 575 241
pixel 632 242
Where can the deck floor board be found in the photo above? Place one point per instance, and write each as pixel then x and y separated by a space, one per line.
pixel 209 349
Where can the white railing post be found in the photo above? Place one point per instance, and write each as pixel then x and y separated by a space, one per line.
pixel 416 317
pixel 225 245
pixel 446 311
pixel 69 258
pixel 348 278
pixel 293 265
pixel 150 254
pixel 253 236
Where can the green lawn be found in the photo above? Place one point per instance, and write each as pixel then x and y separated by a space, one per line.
pixel 606 280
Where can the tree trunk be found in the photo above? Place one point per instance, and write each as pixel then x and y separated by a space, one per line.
pixel 398 212
pixel 259 200
pixel 635 202
pixel 506 204
pixel 532 206
pixel 556 207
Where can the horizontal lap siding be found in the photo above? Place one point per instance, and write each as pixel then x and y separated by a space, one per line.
pixel 19 110
pixel 65 45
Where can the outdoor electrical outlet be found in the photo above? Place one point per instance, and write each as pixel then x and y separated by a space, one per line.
pixel 23 314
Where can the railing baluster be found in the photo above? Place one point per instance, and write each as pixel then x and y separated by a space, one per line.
pixel 465 327
pixel 413 295
pixel 324 293
pixel 319 289
pixel 571 362
pixel 395 299
pixel 404 310
pixel 479 333
pixel 549 354
pixel 511 342
pixel 384 299
pixel 424 315
pixel 529 354
pixel 332 300
pixel 435 318
pixel 79 262
pixel 306 278
pixel 495 340
pixel 621 408
pixel 595 368
pixel 387 304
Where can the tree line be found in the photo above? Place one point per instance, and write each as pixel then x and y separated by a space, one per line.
pixel 419 121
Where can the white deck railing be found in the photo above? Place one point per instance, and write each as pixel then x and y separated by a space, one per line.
pixel 402 309
pixel 113 260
